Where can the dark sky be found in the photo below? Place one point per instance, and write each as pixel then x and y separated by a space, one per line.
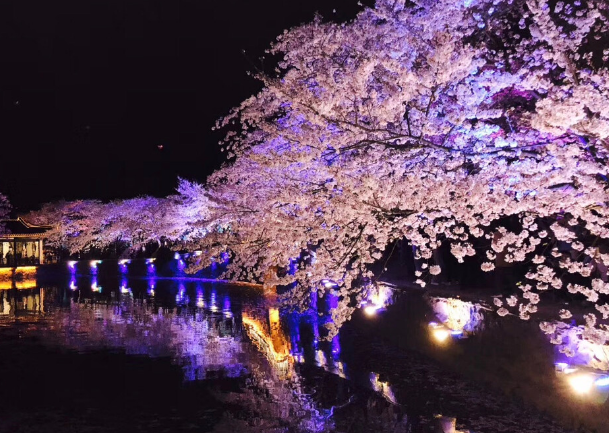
pixel 90 88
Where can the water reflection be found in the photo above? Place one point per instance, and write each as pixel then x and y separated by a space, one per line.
pixel 284 365
pixel 454 318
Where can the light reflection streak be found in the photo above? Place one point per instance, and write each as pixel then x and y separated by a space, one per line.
pixel 273 344
pixel 383 388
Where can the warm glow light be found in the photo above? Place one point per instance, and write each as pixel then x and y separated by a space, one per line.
pixel 72 263
pixel 266 344
pixel 371 310
pixel 440 334
pixel 124 262
pixel 94 263
pixel 581 383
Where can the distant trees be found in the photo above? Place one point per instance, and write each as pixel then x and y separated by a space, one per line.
pixel 84 224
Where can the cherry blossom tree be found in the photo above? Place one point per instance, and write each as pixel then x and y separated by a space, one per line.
pixel 479 124
pixel 84 224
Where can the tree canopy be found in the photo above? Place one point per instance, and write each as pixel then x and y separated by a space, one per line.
pixel 478 124
pixel 435 121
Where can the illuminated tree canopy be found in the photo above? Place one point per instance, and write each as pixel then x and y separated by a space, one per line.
pixel 434 121
pixel 84 224
pixel 478 124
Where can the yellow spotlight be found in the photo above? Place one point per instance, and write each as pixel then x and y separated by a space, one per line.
pixel 371 310
pixel 581 383
pixel 440 334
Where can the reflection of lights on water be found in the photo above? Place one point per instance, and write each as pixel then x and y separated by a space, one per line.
pixel 377 299
pixel 573 342
pixel 73 285
pixel 340 369
pixel 181 296
pixel 458 315
pixel 213 306
pixel 125 290
pixel 200 299
pixel 94 287
pixel 274 346
pixel 383 388
pixel 320 358
pixel 226 310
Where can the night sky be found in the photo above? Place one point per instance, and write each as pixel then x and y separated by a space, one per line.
pixel 91 88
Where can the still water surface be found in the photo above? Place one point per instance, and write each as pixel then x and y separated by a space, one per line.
pixel 93 353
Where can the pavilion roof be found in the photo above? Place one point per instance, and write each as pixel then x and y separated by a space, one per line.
pixel 18 227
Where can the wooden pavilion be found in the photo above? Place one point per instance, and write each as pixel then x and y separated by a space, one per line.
pixel 21 243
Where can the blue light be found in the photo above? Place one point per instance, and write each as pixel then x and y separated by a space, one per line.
pixel 603 381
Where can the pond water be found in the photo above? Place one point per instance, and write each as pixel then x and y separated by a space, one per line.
pixel 109 352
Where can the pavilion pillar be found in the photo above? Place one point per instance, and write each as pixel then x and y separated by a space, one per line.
pixel 40 252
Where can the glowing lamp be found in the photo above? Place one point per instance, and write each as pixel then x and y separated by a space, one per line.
pixel 328 284
pixel 581 383
pixel 72 264
pixel 371 310
pixel 176 256
pixel 440 334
